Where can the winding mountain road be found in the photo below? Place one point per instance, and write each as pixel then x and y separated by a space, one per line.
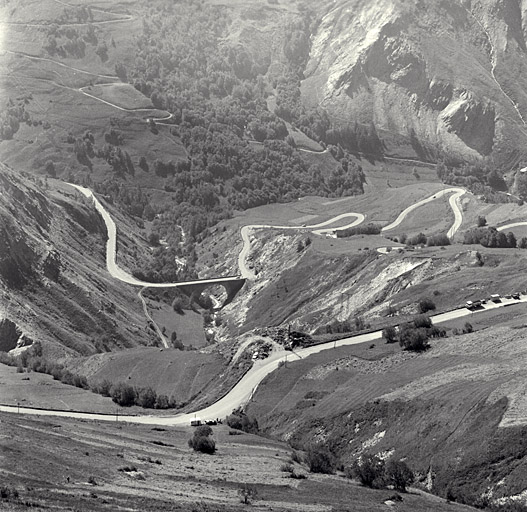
pixel 242 392
pixel 245 231
pixel 111 251
pixel 454 204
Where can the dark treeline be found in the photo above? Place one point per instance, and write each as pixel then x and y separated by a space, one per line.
pixel 120 392
pixel 479 178
pixel 217 94
pixel 491 237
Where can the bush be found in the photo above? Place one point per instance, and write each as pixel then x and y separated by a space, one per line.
pixel 239 420
pixel 389 334
pixel 146 398
pixel 320 460
pixel 426 305
pixel 201 441
pixel 7 492
pixel 422 321
pixel 411 338
pixel 247 492
pixel 297 457
pixel 123 394
pixel 438 240
pixel 419 239
pixel 369 470
pixel 399 475
pixel 287 468
pixel 467 328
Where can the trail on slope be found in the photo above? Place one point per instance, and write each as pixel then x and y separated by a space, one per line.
pixel 125 17
pixel 149 317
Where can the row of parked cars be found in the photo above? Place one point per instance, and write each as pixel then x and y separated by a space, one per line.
pixel 496 297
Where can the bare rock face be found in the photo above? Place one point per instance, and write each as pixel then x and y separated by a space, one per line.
pixel 446 74
pixel 10 333
pixel 472 121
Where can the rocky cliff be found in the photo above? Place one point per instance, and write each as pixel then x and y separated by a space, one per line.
pixel 446 74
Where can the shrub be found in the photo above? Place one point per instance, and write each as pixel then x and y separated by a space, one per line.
pixel 7 492
pixel 399 474
pixel 426 305
pixel 436 240
pixel 369 470
pixel 419 239
pixel 146 397
pixel 411 338
pixel 320 460
pixel 422 321
pixel 287 468
pixel 104 387
pixel 389 334
pixel 239 420
pixel 201 441
pixel 247 492
pixel 123 394
pixel 467 328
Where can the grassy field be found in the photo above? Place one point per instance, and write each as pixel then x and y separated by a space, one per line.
pixel 176 373
pixel 123 95
pixel 435 217
pixel 95 466
pixel 319 209
pixel 40 390
pixel 188 326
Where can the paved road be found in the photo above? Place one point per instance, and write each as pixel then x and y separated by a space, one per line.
pixel 245 231
pixel 512 225
pixel 454 204
pixel 111 250
pixel 243 391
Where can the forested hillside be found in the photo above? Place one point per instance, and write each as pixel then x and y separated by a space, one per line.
pixel 239 153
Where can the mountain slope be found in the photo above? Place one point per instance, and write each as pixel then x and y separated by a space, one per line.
pixel 442 74
pixel 55 287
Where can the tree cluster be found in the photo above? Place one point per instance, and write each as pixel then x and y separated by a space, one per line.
pixel 491 237
pixel 413 335
pixel 240 421
pixel 12 116
pixel 373 472
pixel 67 41
pixel 366 229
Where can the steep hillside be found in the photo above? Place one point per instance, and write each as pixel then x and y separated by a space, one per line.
pixel 446 75
pixel 55 288
pixel 456 413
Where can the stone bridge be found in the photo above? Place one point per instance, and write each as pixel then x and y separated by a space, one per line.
pixel 232 285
